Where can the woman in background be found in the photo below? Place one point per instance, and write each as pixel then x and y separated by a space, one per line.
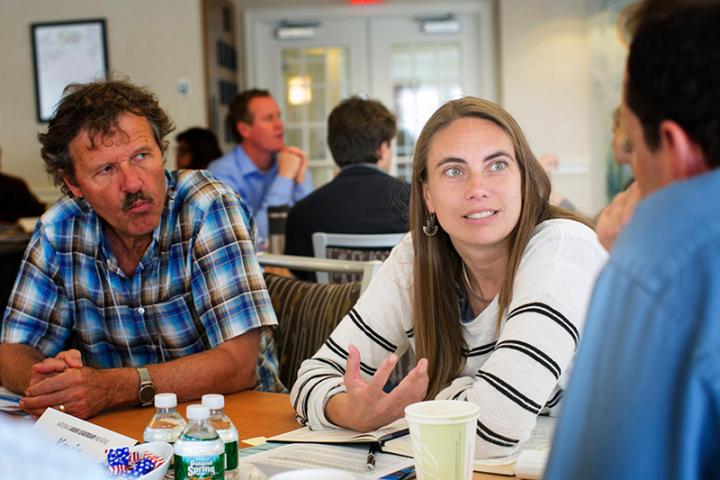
pixel 489 289
pixel 196 148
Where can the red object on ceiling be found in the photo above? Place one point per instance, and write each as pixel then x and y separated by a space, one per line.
pixel 365 2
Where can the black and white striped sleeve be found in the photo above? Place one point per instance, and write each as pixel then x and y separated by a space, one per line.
pixel 529 364
pixel 377 325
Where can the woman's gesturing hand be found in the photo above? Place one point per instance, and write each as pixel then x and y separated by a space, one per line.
pixel 365 406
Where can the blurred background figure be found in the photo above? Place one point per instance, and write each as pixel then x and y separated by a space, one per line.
pixel 196 148
pixel 550 162
pixel 622 147
pixel 16 199
pixel 619 176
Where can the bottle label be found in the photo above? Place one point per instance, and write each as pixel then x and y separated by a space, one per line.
pixel 231 456
pixel 211 467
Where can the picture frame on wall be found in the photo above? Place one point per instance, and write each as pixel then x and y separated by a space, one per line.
pixel 66 52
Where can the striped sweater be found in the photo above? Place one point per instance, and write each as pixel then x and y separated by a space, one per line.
pixel 513 374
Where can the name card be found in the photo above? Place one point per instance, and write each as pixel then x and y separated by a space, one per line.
pixel 85 437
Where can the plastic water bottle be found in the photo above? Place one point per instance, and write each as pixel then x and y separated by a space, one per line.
pixel 167 424
pixel 227 431
pixel 199 452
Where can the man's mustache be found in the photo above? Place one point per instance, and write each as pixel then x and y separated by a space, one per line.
pixel 131 198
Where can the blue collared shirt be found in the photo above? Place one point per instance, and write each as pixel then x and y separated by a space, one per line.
pixel 198 284
pixel 644 395
pixel 259 189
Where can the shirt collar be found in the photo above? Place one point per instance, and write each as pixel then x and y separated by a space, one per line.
pixel 247 167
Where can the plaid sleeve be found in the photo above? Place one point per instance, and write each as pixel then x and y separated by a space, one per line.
pixel 37 311
pixel 227 282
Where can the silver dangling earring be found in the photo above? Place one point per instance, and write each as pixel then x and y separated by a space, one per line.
pixel 430 228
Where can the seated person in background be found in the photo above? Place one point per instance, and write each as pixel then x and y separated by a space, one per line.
pixel 196 148
pixel 644 393
pixel 489 290
pixel 152 275
pixel 362 198
pixel 621 145
pixel 16 199
pixel 261 168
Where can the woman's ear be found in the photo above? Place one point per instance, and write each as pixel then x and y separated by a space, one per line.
pixel 427 198
pixel 686 157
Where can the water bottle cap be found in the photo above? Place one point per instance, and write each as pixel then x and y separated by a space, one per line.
pixel 197 412
pixel 213 401
pixel 165 400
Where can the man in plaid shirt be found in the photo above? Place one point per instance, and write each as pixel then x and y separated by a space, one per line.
pixel 151 276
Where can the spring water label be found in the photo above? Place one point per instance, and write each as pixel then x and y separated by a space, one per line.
pixel 231 455
pixel 211 467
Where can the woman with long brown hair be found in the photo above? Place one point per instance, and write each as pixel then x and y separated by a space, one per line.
pixel 489 290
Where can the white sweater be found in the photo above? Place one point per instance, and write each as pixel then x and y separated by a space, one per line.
pixel 513 375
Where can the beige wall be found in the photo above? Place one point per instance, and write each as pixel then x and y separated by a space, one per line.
pixel 154 42
pixel 545 82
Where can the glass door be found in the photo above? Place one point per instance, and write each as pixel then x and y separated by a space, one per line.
pixel 411 58
pixel 431 59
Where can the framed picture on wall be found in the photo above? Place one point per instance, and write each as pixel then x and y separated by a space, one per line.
pixel 63 53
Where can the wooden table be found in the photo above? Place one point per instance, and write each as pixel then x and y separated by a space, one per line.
pixel 255 414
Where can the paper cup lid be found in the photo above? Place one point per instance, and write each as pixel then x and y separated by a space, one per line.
pixel 442 411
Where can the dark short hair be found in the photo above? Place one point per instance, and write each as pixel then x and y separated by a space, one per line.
pixel 673 73
pixel 239 111
pixel 96 108
pixel 356 129
pixel 203 145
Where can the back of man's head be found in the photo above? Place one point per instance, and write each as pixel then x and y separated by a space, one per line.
pixel 673 72
pixel 357 128
pixel 96 107
pixel 239 110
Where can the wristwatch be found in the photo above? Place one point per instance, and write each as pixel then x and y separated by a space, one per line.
pixel 146 392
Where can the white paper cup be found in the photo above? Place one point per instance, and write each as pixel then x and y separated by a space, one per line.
pixel 313 474
pixel 443 438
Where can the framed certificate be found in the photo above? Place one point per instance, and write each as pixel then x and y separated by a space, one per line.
pixel 64 53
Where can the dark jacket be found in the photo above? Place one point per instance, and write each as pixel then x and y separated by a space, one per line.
pixel 362 199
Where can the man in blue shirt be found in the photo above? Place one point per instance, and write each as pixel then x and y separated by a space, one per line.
pixel 644 397
pixel 138 279
pixel 261 168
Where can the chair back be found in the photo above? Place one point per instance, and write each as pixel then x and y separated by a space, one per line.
pixel 356 247
pixel 307 313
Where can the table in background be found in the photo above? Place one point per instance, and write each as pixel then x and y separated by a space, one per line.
pixel 255 414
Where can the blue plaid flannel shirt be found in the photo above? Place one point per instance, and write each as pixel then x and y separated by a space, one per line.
pixel 198 284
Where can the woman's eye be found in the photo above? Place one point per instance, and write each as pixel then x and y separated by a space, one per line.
pixel 452 172
pixel 498 166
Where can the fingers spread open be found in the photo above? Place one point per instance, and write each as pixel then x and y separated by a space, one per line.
pixel 383 372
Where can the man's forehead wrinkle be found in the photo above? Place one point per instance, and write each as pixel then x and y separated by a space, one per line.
pixel 114 136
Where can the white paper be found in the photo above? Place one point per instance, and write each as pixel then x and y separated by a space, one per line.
pixel 348 458
pixel 341 435
pixel 531 464
pixel 68 431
